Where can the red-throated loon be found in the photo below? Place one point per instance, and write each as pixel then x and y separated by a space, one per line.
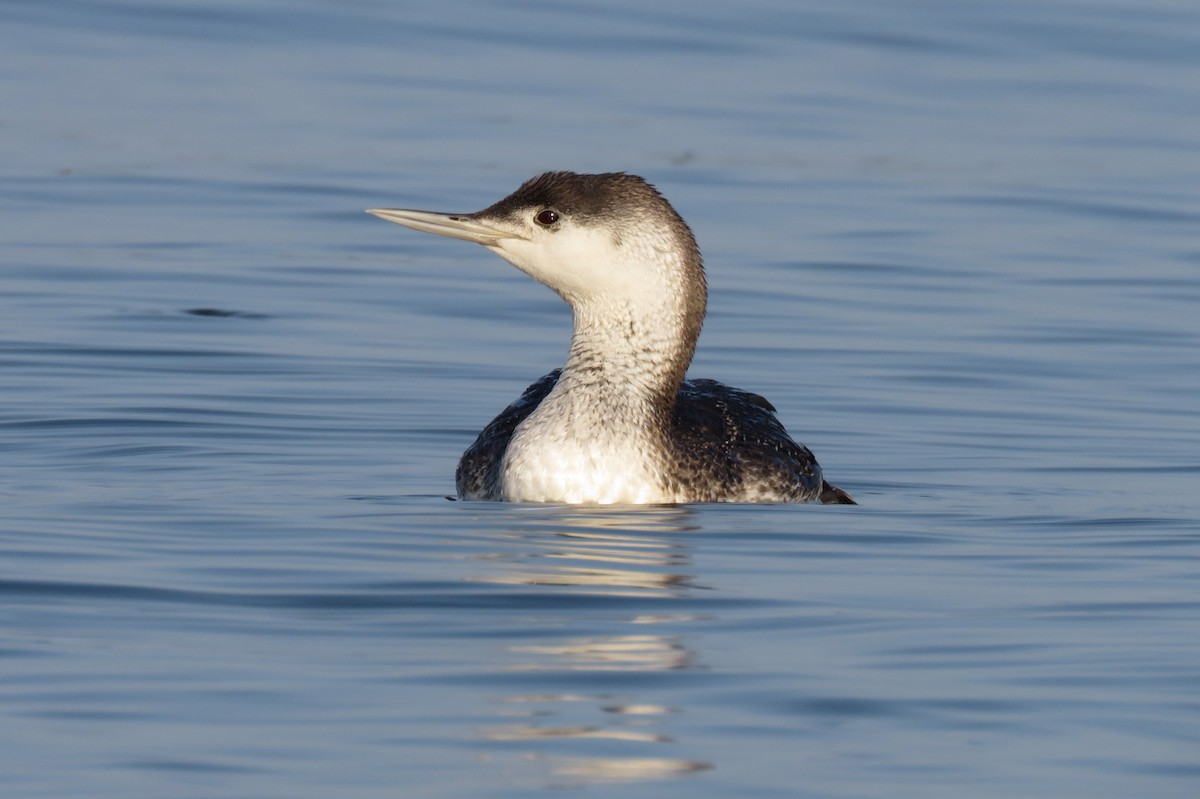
pixel 618 423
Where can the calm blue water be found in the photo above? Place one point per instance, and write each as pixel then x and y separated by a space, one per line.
pixel 957 244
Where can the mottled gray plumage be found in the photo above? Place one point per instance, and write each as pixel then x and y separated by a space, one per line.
pixel 619 423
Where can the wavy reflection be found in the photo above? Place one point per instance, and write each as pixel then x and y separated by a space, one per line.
pixel 529 732
pixel 629 553
pixel 580 737
pixel 597 769
pixel 622 724
pixel 609 653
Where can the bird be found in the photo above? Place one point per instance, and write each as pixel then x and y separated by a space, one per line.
pixel 618 423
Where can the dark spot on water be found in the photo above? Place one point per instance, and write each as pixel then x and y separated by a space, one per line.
pixel 191 766
pixel 224 314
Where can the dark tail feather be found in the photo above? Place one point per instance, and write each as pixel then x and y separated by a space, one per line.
pixel 832 495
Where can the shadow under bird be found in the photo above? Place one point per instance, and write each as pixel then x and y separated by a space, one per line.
pixel 619 423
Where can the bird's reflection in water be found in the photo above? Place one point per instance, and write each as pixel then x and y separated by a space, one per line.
pixel 629 552
pixel 614 734
pixel 609 653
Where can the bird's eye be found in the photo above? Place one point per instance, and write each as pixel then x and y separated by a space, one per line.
pixel 547 217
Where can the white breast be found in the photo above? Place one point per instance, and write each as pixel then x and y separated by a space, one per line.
pixel 541 467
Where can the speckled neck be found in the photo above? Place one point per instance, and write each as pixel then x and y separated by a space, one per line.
pixel 622 363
